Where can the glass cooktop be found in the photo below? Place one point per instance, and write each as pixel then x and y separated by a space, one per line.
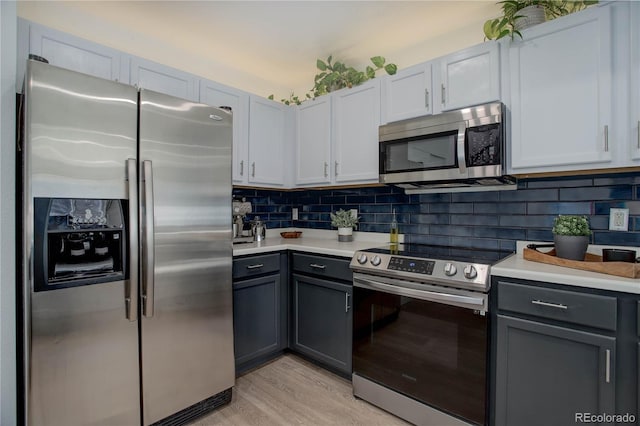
pixel 460 254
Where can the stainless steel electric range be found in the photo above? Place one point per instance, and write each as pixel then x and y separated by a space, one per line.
pixel 420 331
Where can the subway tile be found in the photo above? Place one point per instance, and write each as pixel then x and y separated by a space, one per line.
pixel 602 207
pixel 559 183
pixel 317 208
pixel 578 208
pixel 596 193
pixel 480 243
pixel 430 239
pixel 392 198
pixel 539 235
pixel 617 238
pixel 512 233
pixel 529 195
pixel 499 208
pixel 258 208
pixel 636 223
pixel 437 207
pixel 599 222
pixel 470 197
pixel 407 208
pixel 373 227
pixel 525 221
pixel 507 245
pixel 306 199
pixel 361 199
pixel 435 198
pixel 333 199
pixel 367 217
pixel 375 208
pixel 622 179
pixel 279 216
pixel 451 230
pixel 430 218
pixel 407 229
pixel 477 220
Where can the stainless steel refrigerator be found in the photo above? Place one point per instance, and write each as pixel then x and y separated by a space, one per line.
pixel 126 288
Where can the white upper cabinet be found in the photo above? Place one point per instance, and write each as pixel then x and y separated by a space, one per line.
pixel 561 86
pixel 73 53
pixel 313 142
pixel 163 79
pixel 468 77
pixel 267 141
pixel 407 94
pixel 356 117
pixel 216 94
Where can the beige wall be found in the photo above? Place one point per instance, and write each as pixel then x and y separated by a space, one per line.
pixel 125 26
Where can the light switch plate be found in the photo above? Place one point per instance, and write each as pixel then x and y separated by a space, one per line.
pixel 294 213
pixel 354 213
pixel 618 219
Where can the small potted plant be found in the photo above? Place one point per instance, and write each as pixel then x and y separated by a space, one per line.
pixel 571 236
pixel 345 222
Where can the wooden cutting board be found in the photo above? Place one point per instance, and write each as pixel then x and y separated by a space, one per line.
pixel 591 262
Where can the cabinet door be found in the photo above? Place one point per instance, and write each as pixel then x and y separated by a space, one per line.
pixel 256 317
pixel 561 94
pixel 163 79
pixel 267 121
pixel 635 82
pixel 322 317
pixel 216 94
pixel 356 117
pixel 407 94
pixel 73 53
pixel 313 141
pixel 547 374
pixel 469 77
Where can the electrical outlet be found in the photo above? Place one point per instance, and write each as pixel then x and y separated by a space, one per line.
pixel 619 219
pixel 294 213
pixel 354 213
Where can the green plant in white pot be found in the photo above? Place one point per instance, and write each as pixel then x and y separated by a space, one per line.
pixel 345 222
pixel 571 236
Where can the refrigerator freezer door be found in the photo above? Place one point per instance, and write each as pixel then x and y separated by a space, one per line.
pixel 187 320
pixel 80 350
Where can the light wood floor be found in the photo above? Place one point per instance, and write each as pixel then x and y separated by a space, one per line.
pixel 292 391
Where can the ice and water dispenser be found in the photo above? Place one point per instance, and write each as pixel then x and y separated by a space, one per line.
pixel 78 242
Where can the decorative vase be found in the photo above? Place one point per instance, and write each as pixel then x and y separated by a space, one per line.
pixel 529 16
pixel 573 247
pixel 345 234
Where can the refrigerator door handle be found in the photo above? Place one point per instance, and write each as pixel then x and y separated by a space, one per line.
pixel 148 244
pixel 131 285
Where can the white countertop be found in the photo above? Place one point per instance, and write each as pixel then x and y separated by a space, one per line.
pixel 517 267
pixel 315 241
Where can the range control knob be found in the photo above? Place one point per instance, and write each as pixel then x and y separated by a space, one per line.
pixel 375 260
pixel 450 269
pixel 470 272
pixel 362 259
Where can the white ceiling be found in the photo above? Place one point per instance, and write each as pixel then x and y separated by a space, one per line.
pixel 278 42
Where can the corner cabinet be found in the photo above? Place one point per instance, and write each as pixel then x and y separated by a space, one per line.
pixel 267 141
pixel 561 88
pixel 321 315
pixel 259 309
pixel 356 117
pixel 216 94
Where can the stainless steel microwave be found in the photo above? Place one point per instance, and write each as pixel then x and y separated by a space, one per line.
pixel 460 148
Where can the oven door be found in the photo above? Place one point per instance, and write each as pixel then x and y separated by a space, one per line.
pixel 428 345
pixel 427 154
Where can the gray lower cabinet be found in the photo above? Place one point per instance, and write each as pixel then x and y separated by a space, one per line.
pixel 548 375
pixel 321 316
pixel 259 309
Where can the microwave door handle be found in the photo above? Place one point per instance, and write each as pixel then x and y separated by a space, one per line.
pixel 462 162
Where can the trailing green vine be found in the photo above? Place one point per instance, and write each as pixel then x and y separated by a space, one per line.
pixel 337 75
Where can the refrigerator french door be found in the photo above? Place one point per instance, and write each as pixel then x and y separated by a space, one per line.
pixel 127 303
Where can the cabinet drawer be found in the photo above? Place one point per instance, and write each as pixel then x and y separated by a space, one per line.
pixel 256 265
pixel 322 266
pixel 578 308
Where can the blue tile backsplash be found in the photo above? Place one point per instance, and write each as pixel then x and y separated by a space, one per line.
pixel 495 219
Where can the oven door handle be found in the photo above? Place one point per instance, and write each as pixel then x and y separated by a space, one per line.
pixel 469 302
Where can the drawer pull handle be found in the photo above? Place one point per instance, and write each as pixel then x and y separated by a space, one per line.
pixel 607 373
pixel 256 266
pixel 549 305
pixel 346 303
pixel 316 266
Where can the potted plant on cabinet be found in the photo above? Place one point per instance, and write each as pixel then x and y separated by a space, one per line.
pixel 345 222
pixel 571 236
pixel 520 14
